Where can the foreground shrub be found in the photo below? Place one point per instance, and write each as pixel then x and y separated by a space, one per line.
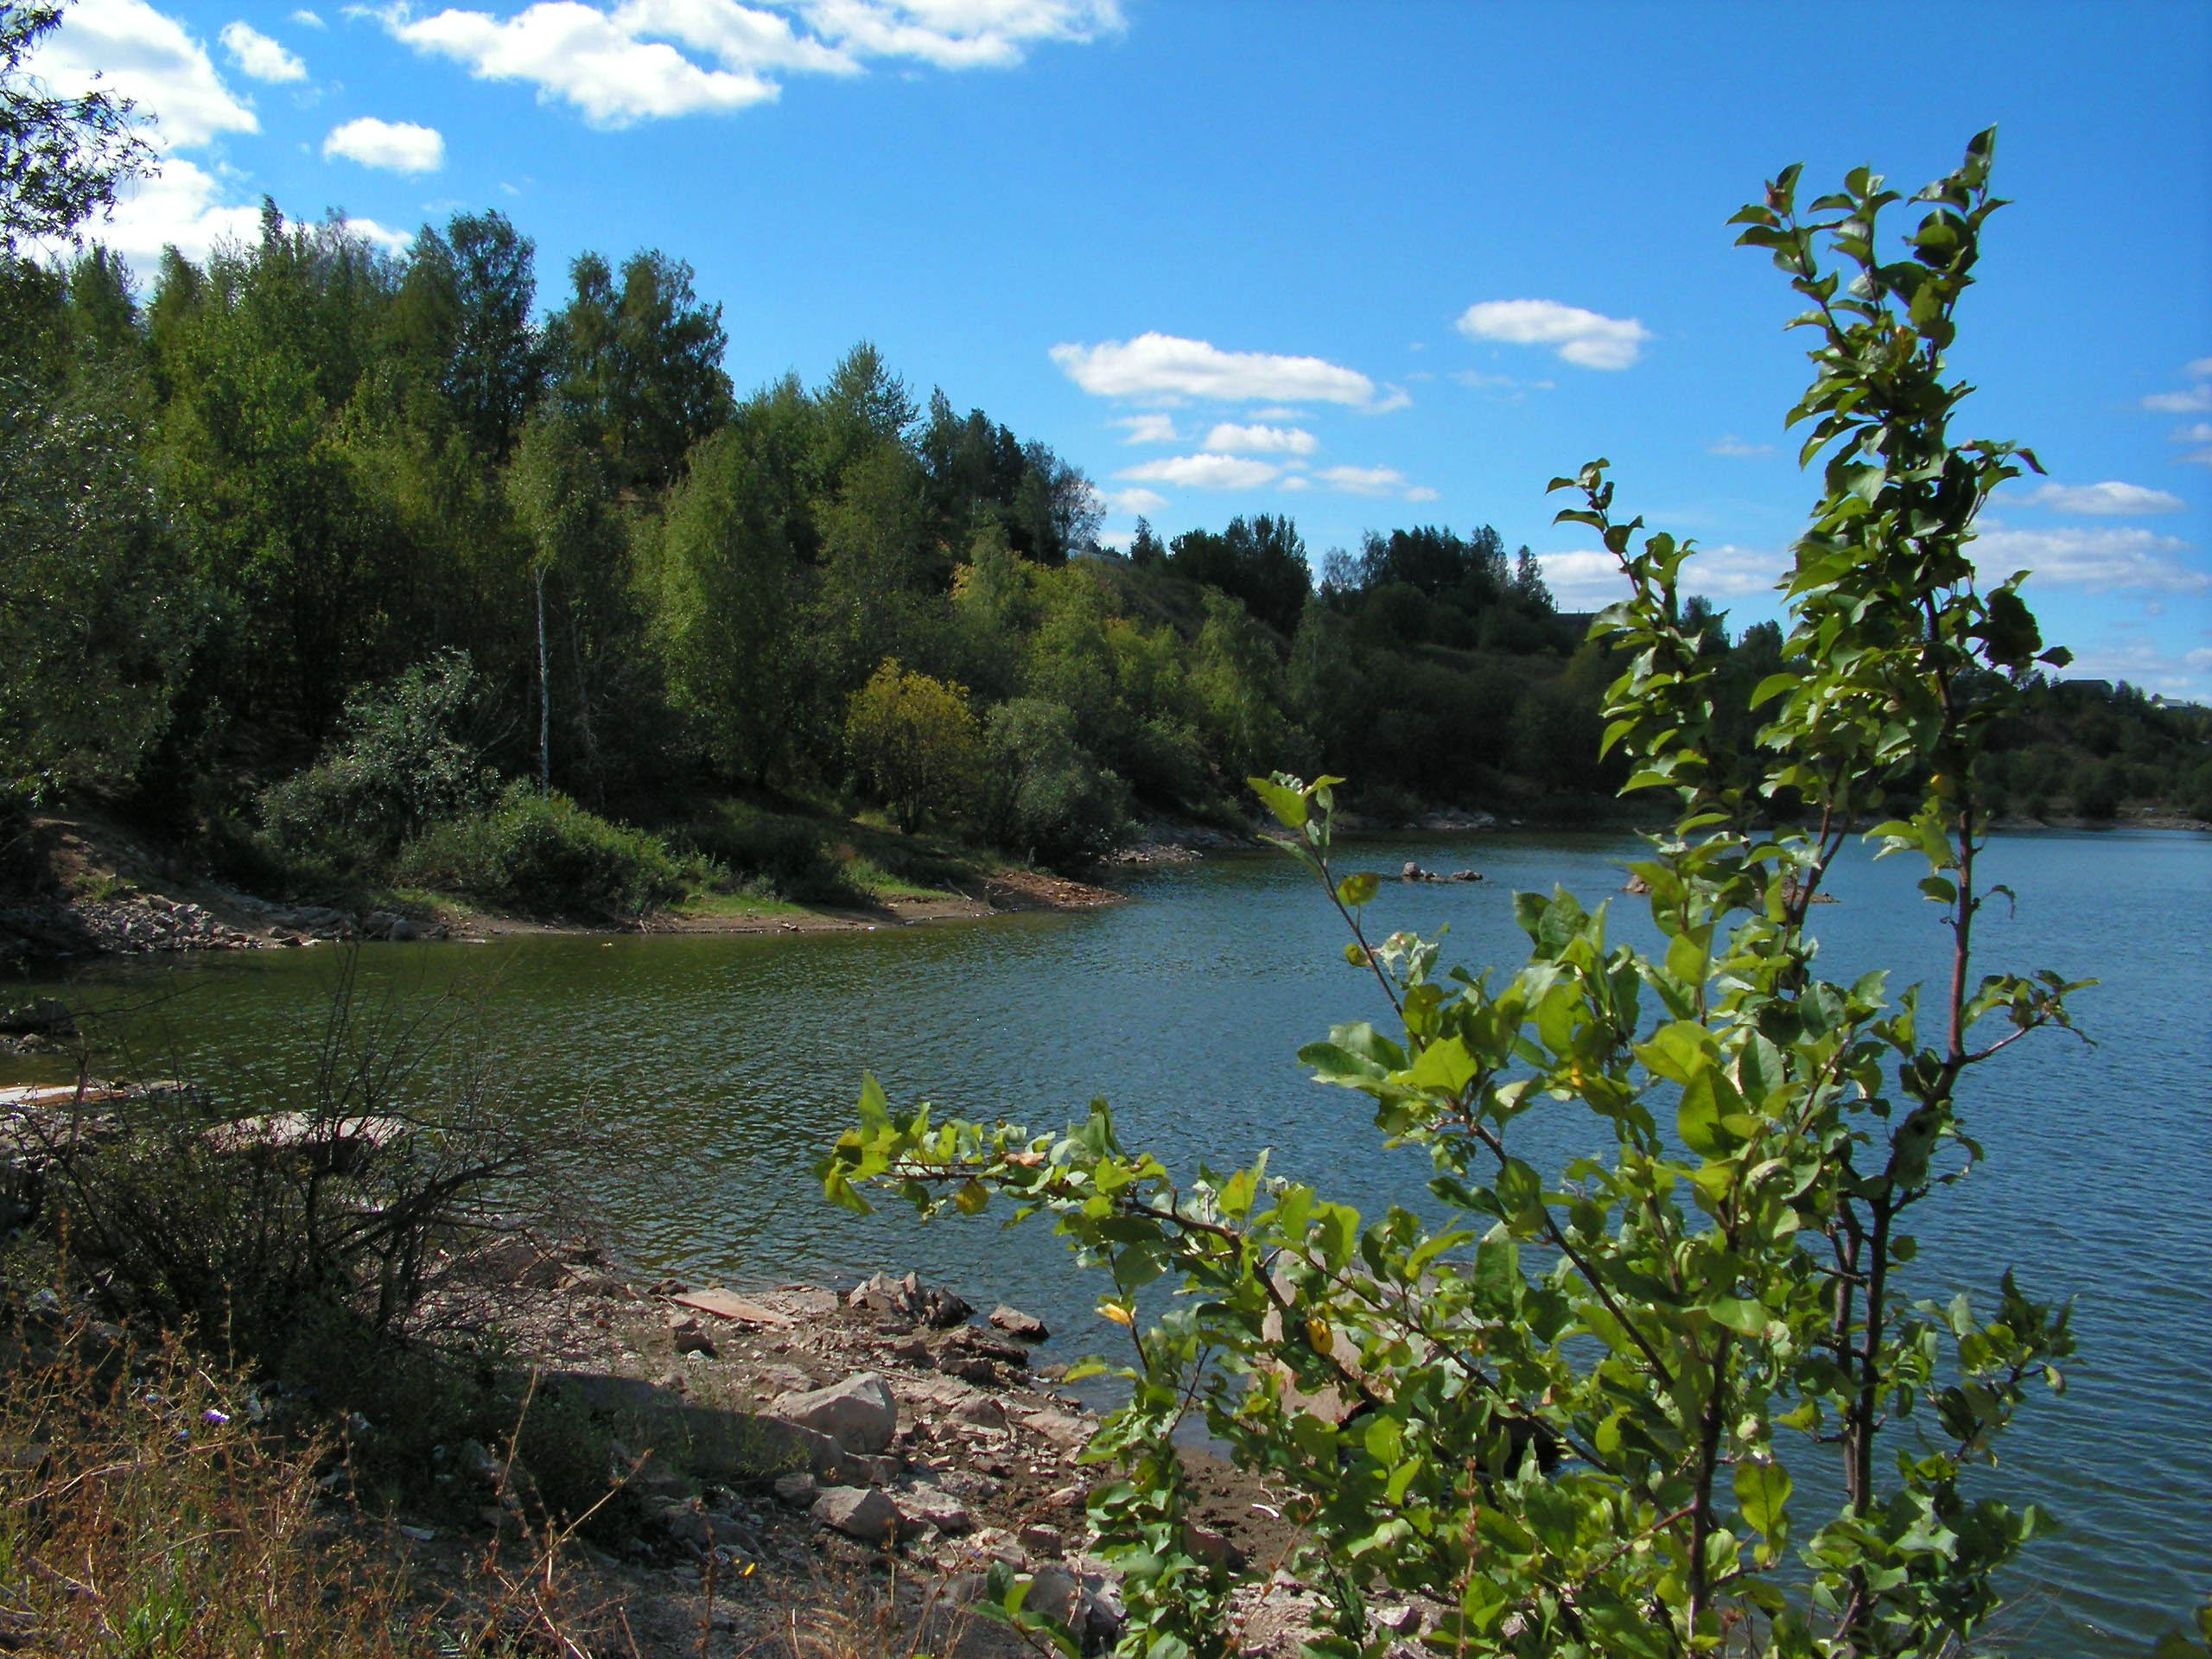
pixel 1567 1416
pixel 915 741
pixel 546 855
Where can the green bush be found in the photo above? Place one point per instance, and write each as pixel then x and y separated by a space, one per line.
pixel 1046 796
pixel 545 853
pixel 407 761
pixel 792 856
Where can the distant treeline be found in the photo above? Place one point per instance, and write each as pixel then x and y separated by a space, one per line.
pixel 306 522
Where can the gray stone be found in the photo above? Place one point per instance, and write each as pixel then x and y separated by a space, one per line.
pixel 1042 1543
pixel 797 1490
pixel 859 1413
pixel 1058 1596
pixel 687 1524
pixel 929 1506
pixel 859 1512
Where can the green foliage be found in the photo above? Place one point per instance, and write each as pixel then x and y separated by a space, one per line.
pixel 1570 1412
pixel 545 853
pixel 915 741
pixel 408 757
pixel 60 158
pixel 1046 797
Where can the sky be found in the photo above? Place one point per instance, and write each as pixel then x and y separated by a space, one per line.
pixel 1367 264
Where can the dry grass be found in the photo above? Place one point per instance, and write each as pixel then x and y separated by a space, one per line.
pixel 145 1515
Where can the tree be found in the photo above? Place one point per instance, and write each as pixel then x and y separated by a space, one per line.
pixel 917 742
pixel 1569 1413
pixel 61 159
pixel 1261 561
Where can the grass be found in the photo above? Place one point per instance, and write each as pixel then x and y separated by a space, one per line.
pixel 144 1514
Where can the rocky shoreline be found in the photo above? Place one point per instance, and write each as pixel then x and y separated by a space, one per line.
pixel 779 1447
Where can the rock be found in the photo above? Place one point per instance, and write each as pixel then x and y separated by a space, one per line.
pixel 1636 884
pixel 1058 1596
pixel 44 1018
pixel 985 1347
pixel 1465 875
pixel 1212 1547
pixel 909 1298
pixel 797 1490
pixel 1042 1543
pixel 929 1506
pixel 690 1339
pixel 1015 1323
pixel 859 1512
pixel 687 1524
pixel 1399 1621
pixel 859 1413
pixel 1068 1433
pixel 726 1304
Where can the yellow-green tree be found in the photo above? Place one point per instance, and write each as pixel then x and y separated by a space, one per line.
pixel 915 741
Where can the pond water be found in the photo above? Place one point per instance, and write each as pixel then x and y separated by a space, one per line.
pixel 722 1066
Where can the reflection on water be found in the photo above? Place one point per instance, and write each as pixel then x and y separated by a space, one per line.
pixel 725 1065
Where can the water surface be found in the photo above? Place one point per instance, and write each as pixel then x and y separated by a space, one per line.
pixel 722 1066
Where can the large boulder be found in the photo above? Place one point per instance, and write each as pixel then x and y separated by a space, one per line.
pixel 859 1413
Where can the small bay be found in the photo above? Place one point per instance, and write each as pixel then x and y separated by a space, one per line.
pixel 718 1069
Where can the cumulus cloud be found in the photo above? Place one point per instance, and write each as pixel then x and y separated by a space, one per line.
pixel 1586 339
pixel 1227 438
pixel 1159 366
pixel 1736 449
pixel 2118 557
pixel 1133 500
pixel 148 57
pixel 258 56
pixel 1421 492
pixel 1204 472
pixel 1590 579
pixel 1149 428
pixel 307 19
pixel 653 58
pixel 395 146
pixel 2109 498
pixel 182 204
pixel 579 53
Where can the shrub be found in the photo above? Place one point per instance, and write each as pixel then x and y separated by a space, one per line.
pixel 917 742
pixel 791 856
pixel 544 853
pixel 408 759
pixel 1568 1413
pixel 1045 796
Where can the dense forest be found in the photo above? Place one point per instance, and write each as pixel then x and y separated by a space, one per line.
pixel 338 567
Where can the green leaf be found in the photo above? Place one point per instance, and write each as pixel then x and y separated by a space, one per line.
pixel 1290 807
pixel 1444 1067
pixel 1745 1316
pixel 1763 1493
pixel 1354 891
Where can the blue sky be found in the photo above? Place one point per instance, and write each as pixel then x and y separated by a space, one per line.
pixel 1367 264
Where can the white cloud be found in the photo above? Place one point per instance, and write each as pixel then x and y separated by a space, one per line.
pixel 2108 498
pixel 1204 472
pixel 2198 458
pixel 2192 401
pixel 147 57
pixel 1363 480
pixel 258 56
pixel 1284 412
pixel 395 146
pixel 383 236
pixel 2201 368
pixel 2199 432
pixel 1157 366
pixel 307 19
pixel 1421 492
pixel 959 34
pixel 1232 440
pixel 1586 339
pixel 1294 482
pixel 1394 399
pixel 1136 500
pixel 182 205
pixel 1149 428
pixel 578 52
pixel 2119 556
pixel 1735 447
pixel 632 61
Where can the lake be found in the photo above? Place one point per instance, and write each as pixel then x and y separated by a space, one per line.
pixel 722 1066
